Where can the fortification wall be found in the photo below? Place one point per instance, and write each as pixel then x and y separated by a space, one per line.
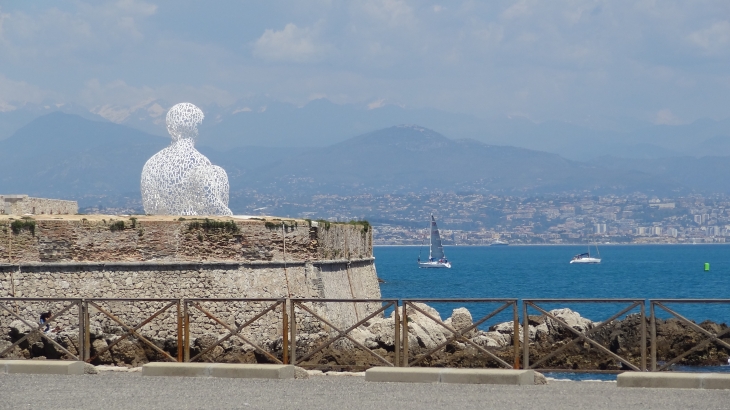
pixel 165 257
pixel 98 238
pixel 322 279
pixel 23 204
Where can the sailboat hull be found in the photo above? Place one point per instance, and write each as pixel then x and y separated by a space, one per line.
pixel 586 260
pixel 434 265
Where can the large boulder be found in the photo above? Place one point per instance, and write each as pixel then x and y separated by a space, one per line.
pixel 382 332
pixel 543 328
pixel 423 331
pixel 460 319
pixel 128 353
pixel 492 339
pixel 97 345
pixel 18 329
pixel 572 319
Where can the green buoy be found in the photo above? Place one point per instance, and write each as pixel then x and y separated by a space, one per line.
pixel 707 267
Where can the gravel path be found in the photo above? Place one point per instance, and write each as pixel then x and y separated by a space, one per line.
pixel 113 390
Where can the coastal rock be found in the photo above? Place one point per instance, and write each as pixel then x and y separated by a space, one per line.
pixel 18 329
pixel 422 330
pixel 97 346
pixel 571 318
pixel 300 373
pixel 128 353
pixel 508 328
pixel 204 342
pixel 545 329
pixel 382 331
pixel 492 339
pixel 460 319
pixel 69 340
pixel 540 379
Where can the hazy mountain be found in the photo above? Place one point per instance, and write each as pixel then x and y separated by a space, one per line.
pixel 15 118
pixel 66 156
pixel 62 155
pixel 413 158
pixel 265 123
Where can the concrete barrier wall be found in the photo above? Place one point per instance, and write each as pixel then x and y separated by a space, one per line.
pixel 41 367
pixel 444 375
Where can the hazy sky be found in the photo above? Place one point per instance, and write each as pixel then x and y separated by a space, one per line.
pixel 659 61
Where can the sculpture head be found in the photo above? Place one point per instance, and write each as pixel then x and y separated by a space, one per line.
pixel 183 120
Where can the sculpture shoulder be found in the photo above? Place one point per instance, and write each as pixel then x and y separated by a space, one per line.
pixel 177 155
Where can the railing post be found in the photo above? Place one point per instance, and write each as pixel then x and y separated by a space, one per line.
pixel 653 336
pixel 405 334
pixel 82 333
pixel 293 330
pixel 525 337
pixel 180 330
pixel 87 331
pixel 396 315
pixel 643 336
pixel 285 332
pixel 186 331
pixel 516 335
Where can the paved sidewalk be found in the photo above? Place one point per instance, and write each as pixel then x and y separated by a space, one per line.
pixel 112 390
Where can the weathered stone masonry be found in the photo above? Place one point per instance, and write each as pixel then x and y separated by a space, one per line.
pixel 165 257
pixel 23 204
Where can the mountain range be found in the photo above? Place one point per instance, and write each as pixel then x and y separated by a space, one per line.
pixel 94 161
pixel 322 123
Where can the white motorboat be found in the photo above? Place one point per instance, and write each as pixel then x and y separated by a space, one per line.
pixel 586 257
pixel 436 257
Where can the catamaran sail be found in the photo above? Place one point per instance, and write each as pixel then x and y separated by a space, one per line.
pixel 436 257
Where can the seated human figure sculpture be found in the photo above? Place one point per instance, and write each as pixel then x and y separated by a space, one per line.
pixel 179 180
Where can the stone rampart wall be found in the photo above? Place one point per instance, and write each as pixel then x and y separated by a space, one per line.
pixel 111 239
pixel 94 256
pixel 320 279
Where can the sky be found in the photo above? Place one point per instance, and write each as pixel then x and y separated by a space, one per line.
pixel 662 62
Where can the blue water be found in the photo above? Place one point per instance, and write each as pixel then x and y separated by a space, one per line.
pixel 626 271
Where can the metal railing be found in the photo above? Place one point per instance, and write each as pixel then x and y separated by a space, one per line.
pixel 459 335
pixel 711 337
pixel 240 318
pixel 10 306
pixel 580 336
pixel 340 333
pixel 232 330
pixel 131 329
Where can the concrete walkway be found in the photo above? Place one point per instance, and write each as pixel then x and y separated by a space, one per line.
pixel 115 390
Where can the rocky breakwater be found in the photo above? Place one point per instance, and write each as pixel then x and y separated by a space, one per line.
pixel 545 335
pixel 622 337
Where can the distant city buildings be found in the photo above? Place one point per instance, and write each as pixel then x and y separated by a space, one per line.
pixel 481 219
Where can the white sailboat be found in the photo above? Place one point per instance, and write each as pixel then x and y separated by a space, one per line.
pixel 436 257
pixel 586 257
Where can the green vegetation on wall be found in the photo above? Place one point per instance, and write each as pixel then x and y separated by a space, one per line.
pixel 213 225
pixel 116 226
pixel 21 224
pixel 365 225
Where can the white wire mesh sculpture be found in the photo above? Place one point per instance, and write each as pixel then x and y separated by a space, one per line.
pixel 179 180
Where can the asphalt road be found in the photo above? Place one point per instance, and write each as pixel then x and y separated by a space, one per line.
pixel 132 390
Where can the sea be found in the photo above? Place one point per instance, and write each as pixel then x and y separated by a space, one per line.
pixel 544 272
